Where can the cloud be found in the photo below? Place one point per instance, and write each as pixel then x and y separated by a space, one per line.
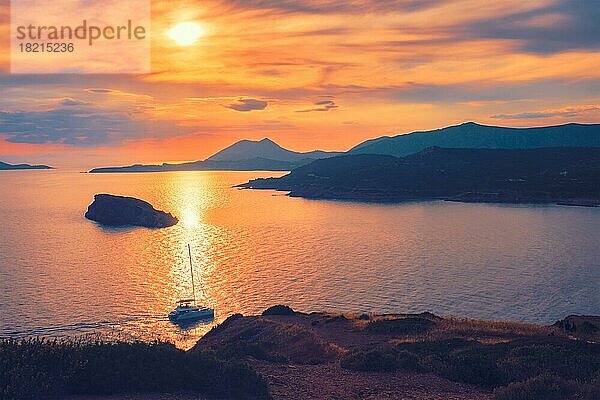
pixel 70 102
pixel 554 28
pixel 334 6
pixel 537 27
pixel 487 91
pixel 101 91
pixel 324 105
pixel 81 126
pixel 114 92
pixel 566 112
pixel 245 105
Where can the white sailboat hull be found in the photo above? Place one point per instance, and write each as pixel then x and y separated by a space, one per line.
pixel 190 315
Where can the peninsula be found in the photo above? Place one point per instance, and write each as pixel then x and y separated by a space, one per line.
pixel 544 175
pixel 6 167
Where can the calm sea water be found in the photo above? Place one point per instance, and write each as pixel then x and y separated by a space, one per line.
pixel 61 274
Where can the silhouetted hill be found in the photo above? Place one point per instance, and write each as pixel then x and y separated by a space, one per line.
pixel 265 149
pixel 5 166
pixel 563 175
pixel 472 135
pixel 245 155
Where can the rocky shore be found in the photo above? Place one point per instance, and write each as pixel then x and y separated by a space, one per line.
pixel 411 356
pixel 284 354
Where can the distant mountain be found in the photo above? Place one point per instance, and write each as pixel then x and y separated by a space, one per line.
pixel 5 166
pixel 472 135
pixel 249 155
pixel 245 155
pixel 265 149
pixel 546 175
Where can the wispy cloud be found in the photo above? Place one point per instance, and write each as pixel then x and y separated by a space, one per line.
pixel 323 105
pixel 71 102
pixel 566 112
pixel 115 92
pixel 245 105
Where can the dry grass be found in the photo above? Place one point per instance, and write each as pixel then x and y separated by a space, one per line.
pixel 269 339
pixel 469 329
pixel 489 331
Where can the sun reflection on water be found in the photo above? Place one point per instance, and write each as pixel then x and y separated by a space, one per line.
pixel 189 218
pixel 192 196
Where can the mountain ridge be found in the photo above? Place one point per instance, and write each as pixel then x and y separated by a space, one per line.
pixel 267 155
pixel 243 155
pixel 474 135
pixel 556 175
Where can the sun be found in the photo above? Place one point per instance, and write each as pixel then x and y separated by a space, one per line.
pixel 186 33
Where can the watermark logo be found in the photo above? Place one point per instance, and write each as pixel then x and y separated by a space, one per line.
pixel 80 36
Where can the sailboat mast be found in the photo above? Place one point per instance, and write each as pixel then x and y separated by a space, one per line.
pixel 192 272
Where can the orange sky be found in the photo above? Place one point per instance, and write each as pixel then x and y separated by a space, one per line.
pixel 310 74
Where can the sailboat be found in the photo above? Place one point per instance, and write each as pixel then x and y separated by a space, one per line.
pixel 187 310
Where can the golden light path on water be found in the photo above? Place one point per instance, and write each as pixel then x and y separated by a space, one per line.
pixel 192 197
pixel 61 274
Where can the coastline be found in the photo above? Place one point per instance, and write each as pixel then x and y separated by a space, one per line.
pixel 474 198
pixel 286 354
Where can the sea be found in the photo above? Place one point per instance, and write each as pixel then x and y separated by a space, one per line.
pixel 62 275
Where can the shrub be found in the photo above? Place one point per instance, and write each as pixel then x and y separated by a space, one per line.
pixel 400 326
pixel 543 387
pixel 437 347
pixel 371 361
pixel 476 365
pixel 569 359
pixel 259 350
pixel 591 389
pixel 379 360
pixel 495 365
pixel 587 328
pixel 279 310
pixel 38 368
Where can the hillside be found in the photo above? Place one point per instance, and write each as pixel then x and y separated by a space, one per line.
pixel 410 356
pixel 549 175
pixel 472 135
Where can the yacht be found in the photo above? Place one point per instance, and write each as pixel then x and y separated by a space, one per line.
pixel 187 310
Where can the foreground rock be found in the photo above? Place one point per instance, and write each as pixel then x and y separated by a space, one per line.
pixel 113 210
pixel 409 356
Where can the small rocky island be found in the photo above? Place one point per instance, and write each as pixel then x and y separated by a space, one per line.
pixel 111 210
